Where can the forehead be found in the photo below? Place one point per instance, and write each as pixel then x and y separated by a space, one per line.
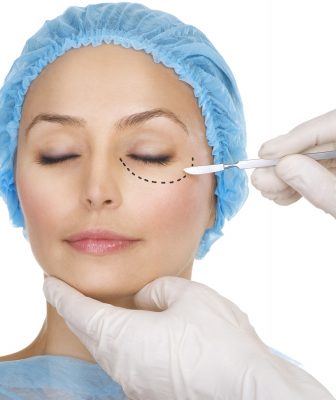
pixel 108 77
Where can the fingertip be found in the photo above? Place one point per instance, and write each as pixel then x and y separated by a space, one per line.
pixel 50 282
pixel 54 289
pixel 279 146
pixel 265 151
pixel 266 180
pixel 49 288
pixel 270 149
pixel 257 178
pixel 161 293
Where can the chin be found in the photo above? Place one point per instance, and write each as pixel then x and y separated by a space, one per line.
pixel 104 288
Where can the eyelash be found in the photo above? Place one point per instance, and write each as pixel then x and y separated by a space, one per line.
pixel 45 160
pixel 162 160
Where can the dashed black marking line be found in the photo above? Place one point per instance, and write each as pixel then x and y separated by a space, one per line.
pixel 162 182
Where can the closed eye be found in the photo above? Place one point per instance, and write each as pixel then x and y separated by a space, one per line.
pixel 45 160
pixel 162 160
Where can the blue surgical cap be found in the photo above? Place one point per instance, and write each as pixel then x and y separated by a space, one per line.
pixel 170 42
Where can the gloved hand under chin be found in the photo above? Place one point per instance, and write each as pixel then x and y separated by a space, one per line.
pixel 297 175
pixel 186 342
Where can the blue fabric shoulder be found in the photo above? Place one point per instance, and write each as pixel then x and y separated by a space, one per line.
pixel 56 377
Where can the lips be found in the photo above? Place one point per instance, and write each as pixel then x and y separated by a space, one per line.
pixel 100 242
pixel 98 234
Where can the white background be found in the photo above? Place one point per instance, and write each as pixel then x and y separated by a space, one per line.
pixel 277 263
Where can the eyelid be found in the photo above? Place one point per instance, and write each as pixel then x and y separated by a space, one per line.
pixel 151 159
pixel 46 160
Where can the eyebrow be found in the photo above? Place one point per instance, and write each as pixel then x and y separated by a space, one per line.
pixel 128 121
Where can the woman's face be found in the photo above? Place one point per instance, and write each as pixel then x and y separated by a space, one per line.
pixel 94 190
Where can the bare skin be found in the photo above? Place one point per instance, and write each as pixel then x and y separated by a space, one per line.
pixel 101 85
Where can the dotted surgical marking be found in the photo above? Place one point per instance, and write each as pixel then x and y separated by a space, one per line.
pixel 161 182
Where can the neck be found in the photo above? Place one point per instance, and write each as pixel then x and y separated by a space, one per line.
pixel 56 338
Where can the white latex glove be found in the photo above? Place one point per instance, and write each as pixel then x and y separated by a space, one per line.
pixel 297 175
pixel 199 346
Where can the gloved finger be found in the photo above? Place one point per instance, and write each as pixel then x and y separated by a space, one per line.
pixel 84 316
pixel 286 196
pixel 161 293
pixel 181 296
pixel 308 135
pixel 272 187
pixel 266 180
pixel 287 200
pixel 311 180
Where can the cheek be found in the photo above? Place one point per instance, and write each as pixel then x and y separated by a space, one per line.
pixel 41 206
pixel 179 212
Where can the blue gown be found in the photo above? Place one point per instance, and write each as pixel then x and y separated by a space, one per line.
pixel 56 378
pixel 61 378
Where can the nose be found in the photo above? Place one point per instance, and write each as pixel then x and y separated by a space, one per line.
pixel 101 186
pixel 96 203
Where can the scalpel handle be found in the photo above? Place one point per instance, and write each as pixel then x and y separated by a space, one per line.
pixel 323 155
pixel 260 163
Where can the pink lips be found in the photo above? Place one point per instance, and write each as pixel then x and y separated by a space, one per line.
pixel 97 241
